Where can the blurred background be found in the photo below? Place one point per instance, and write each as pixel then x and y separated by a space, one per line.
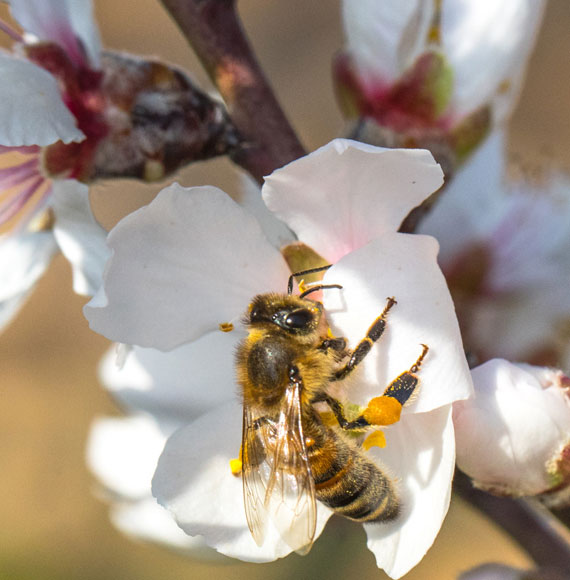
pixel 52 526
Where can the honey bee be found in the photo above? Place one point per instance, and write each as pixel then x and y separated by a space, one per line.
pixel 289 457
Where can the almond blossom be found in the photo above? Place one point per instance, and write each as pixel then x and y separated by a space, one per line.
pixel 513 436
pixel 71 111
pixel 435 73
pixel 122 453
pixel 504 253
pixel 160 392
pixel 46 215
pixel 193 259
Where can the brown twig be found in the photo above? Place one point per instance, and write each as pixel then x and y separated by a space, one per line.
pixel 213 29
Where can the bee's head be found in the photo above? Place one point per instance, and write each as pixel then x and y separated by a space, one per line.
pixel 292 314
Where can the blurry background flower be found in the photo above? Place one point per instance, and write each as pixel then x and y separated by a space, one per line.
pixel 504 251
pixel 53 527
pixel 433 74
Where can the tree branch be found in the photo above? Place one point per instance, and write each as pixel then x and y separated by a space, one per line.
pixel 213 29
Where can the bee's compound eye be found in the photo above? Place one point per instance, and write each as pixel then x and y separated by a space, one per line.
pixel 299 318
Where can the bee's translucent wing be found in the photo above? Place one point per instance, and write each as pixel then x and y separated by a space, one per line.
pixel 254 473
pixel 278 483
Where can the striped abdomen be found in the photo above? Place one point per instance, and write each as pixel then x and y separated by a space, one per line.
pixel 348 482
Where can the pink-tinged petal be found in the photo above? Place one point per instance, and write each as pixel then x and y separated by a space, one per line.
pixel 471 202
pixel 171 384
pixel 420 453
pixel 80 237
pixel 402 266
pixel 384 37
pixel 488 44
pixel 122 453
pixel 23 260
pixel 182 265
pixel 193 480
pixel 347 193
pixel 69 23
pixel 33 112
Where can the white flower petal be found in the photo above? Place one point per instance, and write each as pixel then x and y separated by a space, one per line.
pixel 250 199
pixel 172 383
pixel 80 237
pixel 62 22
pixel 384 36
pixel 23 260
pixel 487 44
pixel 122 453
pixel 518 423
pixel 33 112
pixel 346 193
pixel 193 480
pixel 148 521
pixel 189 261
pixel 403 266
pixel 420 451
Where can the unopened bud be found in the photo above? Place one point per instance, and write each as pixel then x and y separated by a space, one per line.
pixel 158 120
pixel 513 435
pixel 141 118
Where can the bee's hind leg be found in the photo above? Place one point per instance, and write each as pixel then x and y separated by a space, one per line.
pixel 385 409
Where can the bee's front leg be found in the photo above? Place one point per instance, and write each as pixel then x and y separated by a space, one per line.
pixel 363 347
pixel 336 344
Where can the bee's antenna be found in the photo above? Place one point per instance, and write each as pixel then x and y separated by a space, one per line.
pixel 319 287
pixel 302 273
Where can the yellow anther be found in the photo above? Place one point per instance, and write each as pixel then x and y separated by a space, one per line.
pixel 375 439
pixel 383 411
pixel 302 287
pixel 44 222
pixel 226 326
pixel 236 466
pixel 504 87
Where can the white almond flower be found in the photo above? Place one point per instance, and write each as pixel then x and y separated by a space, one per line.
pixel 513 436
pixel 162 391
pixel 70 111
pixel 194 259
pixel 122 453
pixel 504 254
pixel 434 73
pixel 47 214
